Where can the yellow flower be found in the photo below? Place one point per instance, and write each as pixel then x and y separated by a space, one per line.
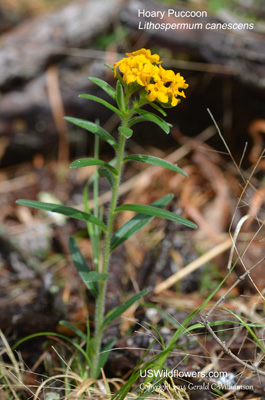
pixel 166 87
pixel 136 69
pixel 166 75
pixel 147 54
pixel 144 68
pixel 174 88
pixel 133 66
pixel 157 91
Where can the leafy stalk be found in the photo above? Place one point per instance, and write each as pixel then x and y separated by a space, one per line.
pixel 96 249
pixel 100 303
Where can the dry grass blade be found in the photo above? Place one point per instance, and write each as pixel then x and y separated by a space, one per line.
pixel 58 113
pixel 227 148
pixel 11 356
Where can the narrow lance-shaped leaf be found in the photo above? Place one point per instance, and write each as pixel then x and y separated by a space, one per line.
pixel 127 132
pixel 82 267
pixel 91 228
pixel 118 311
pixel 136 120
pixel 68 211
pixel 157 108
pixel 94 128
pixel 155 161
pixel 154 118
pixel 136 223
pixel 120 96
pixel 156 212
pixel 104 173
pixel 85 162
pixel 104 86
pixel 94 276
pixel 101 101
pixel 109 67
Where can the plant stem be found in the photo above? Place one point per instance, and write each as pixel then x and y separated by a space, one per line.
pixel 96 250
pixel 100 302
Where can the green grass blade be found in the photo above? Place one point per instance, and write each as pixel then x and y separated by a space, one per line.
pixel 93 128
pixel 122 392
pixel 155 161
pixel 59 335
pixel 247 326
pixel 161 340
pixel 74 329
pixel 118 311
pixel 158 360
pixel 105 353
pixel 85 162
pixel 101 101
pixel 104 86
pixel 136 223
pixel 155 212
pixel 68 211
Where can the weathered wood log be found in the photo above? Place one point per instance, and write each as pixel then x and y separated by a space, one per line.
pixel 28 49
pixel 64 39
pixel 242 50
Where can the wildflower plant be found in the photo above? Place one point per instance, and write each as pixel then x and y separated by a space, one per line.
pixel 141 80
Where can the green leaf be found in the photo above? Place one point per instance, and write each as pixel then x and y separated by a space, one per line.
pixel 156 212
pixel 155 161
pixel 120 96
pixel 94 276
pixel 161 340
pixel 118 311
pixel 136 120
pixel 94 234
pixel 104 353
pixel 109 67
pixel 136 223
pixel 104 173
pixel 247 326
pixel 39 334
pixel 81 266
pixel 157 108
pixel 85 162
pixel 69 211
pixel 74 329
pixel 104 85
pixel 94 128
pixel 101 101
pixel 154 118
pixel 127 132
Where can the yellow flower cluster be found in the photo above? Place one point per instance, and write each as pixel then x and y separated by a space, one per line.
pixel 144 68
